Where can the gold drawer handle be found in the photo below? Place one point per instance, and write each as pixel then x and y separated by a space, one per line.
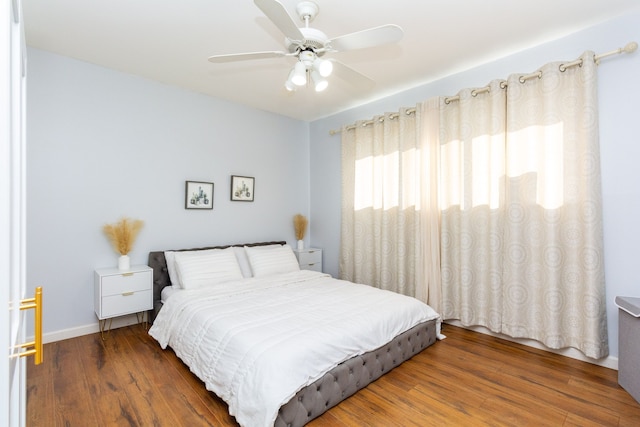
pixel 127 274
pixel 126 294
pixel 27 304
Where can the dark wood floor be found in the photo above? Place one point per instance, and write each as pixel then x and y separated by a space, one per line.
pixel 468 379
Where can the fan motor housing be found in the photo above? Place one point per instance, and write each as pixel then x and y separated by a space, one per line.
pixel 313 39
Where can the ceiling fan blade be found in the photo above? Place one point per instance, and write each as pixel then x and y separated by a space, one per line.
pixel 246 56
pixel 367 38
pixel 276 12
pixel 351 76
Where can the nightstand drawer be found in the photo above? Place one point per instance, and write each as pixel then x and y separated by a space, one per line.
pixel 310 257
pixel 126 302
pixel 126 282
pixel 315 266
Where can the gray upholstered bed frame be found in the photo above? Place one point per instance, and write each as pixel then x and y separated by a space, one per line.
pixel 339 383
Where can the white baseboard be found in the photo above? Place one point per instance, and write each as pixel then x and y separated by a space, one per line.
pixel 118 322
pixel 608 362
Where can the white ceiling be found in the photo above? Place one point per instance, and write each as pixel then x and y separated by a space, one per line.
pixel 170 40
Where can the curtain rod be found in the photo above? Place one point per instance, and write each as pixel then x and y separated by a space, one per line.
pixel 629 48
pixel 391 116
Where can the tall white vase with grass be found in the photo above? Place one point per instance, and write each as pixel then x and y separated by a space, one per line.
pixel 300 227
pixel 122 235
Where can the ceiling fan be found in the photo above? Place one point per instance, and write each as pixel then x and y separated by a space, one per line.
pixel 308 45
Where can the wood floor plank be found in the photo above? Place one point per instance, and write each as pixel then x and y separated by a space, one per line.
pixel 132 380
pixel 467 379
pixel 574 420
pixel 40 393
pixel 72 399
pixel 113 408
pixel 184 399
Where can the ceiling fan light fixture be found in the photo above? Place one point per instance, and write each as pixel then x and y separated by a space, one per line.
pixel 299 74
pixel 323 67
pixel 289 85
pixel 308 44
pixel 319 82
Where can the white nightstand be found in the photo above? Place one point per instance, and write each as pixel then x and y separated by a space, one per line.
pixel 118 292
pixel 309 259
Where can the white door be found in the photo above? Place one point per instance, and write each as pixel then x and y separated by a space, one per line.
pixel 12 213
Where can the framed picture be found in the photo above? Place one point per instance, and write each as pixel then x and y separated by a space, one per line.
pixel 198 195
pixel 242 188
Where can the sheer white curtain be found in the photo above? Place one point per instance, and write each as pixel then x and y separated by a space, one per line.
pixel 390 218
pixel 522 249
pixel 380 220
pixel 428 280
pixel 472 132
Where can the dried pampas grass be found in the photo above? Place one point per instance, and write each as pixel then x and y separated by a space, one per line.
pixel 122 234
pixel 300 226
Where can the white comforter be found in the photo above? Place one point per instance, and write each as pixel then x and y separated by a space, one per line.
pixel 256 342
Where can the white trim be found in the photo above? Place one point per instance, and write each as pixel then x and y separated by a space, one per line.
pixel 607 362
pixel 118 322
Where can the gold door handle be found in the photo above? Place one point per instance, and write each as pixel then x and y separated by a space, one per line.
pixel 27 304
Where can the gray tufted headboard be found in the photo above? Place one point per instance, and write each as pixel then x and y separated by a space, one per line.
pixel 161 279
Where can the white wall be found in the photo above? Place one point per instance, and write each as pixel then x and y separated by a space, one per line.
pixel 619 92
pixel 103 144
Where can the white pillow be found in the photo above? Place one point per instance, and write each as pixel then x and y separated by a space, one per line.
pixel 170 257
pixel 243 261
pixel 268 260
pixel 205 268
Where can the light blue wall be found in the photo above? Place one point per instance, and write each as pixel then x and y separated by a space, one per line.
pixel 103 144
pixel 619 92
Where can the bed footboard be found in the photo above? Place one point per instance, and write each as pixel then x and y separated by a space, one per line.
pixel 354 374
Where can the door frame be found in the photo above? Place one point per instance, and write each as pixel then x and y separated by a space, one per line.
pixel 12 212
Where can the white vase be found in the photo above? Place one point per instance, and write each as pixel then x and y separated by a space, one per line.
pixel 124 263
pixel 300 245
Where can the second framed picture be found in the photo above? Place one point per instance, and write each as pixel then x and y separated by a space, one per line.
pixel 242 188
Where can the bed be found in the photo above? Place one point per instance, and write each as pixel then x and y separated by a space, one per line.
pixel 279 345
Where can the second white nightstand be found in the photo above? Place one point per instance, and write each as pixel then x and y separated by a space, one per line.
pixel 309 259
pixel 117 292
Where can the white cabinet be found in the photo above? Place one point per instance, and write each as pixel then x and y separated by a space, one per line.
pixel 309 259
pixel 117 292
